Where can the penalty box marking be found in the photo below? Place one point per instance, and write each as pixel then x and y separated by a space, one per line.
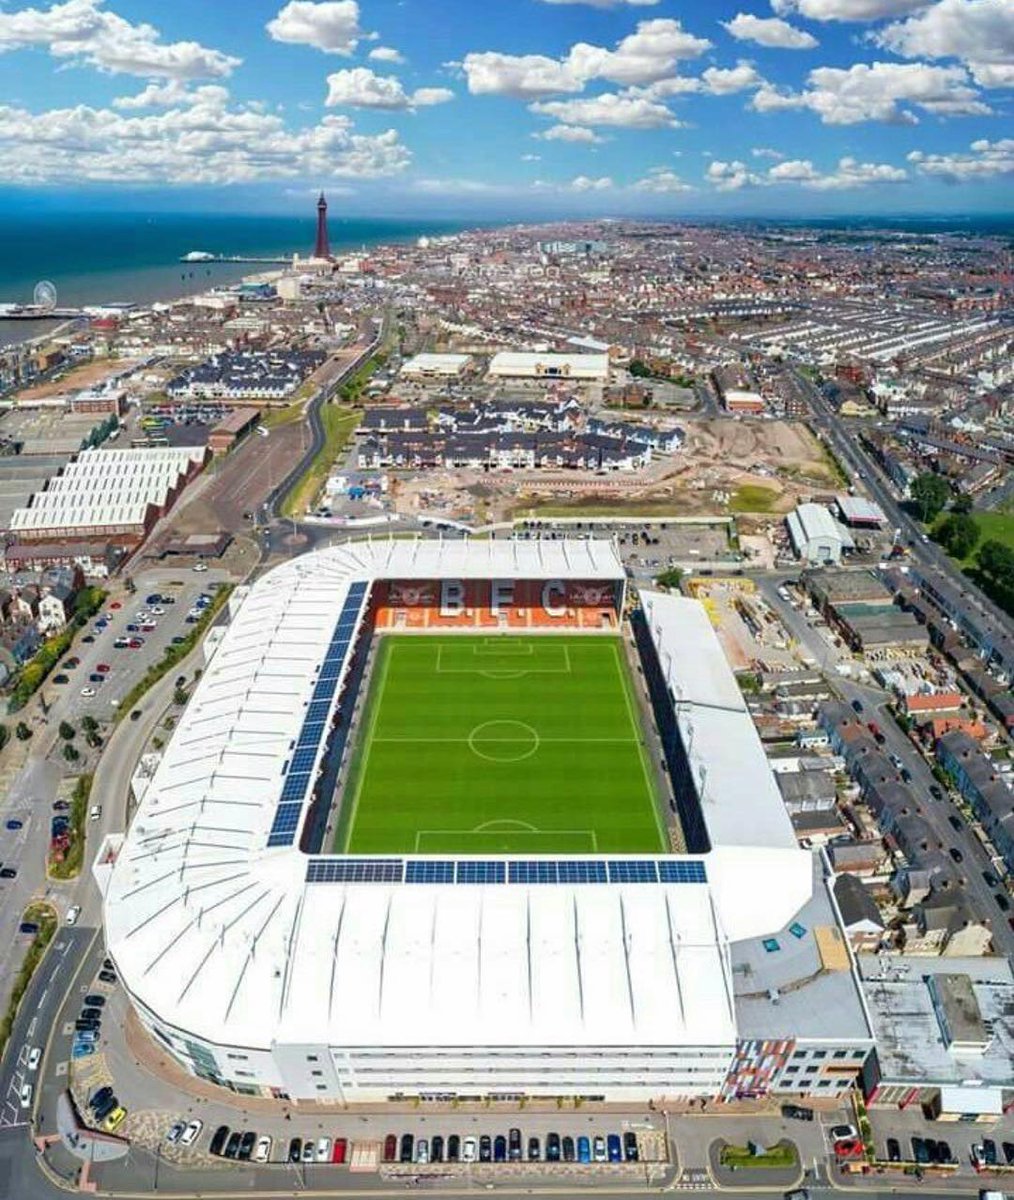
pixel 513 831
pixel 510 672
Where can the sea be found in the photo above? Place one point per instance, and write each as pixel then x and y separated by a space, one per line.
pixel 106 258
pixel 133 257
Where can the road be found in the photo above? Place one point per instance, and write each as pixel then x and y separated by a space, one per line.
pixel 861 465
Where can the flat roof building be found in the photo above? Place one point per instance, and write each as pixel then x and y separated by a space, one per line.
pixel 816 536
pixel 591 368
pixel 429 366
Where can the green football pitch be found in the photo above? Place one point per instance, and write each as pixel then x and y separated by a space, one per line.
pixel 499 745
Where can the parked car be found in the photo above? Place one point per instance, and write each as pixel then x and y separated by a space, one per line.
pixel 91 1014
pixel 956 854
pixel 499 1148
pixel 552 1147
pixel 405 1151
pixel 26 1095
pixel 599 1149
pixel 935 792
pixel 107 976
pixel 485 1148
pixel 100 1097
pixel 390 1147
pixel 14 823
pixel 295 1150
pixel 453 1148
pixel 191 1133
pixel 630 1150
pixel 246 1145
pixel 583 1150
pixel 9 873
pixel 1002 902
pixel 469 1150
pixel 309 1150
pixel 919 1151
pixel 28 927
pixel 339 1150
pixel 174 1133
pixel 567 1148
pixel 61 678
pixel 796 1112
pixel 323 1149
pixel 893 1150
pixel 102 1108
pixel 534 1149
pixel 115 1119
pixel 514 1145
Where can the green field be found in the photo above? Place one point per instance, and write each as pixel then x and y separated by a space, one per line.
pixel 500 745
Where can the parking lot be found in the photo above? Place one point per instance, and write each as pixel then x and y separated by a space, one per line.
pixel 123 641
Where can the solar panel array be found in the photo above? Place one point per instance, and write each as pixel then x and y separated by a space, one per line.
pixel 299 770
pixel 523 871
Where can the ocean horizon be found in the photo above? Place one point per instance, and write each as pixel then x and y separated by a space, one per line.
pixel 134 257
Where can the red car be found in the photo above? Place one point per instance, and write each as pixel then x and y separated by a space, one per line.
pixel 116 604
pixel 136 643
pixel 849 1148
pixel 390 1147
pixel 339 1150
pixel 102 668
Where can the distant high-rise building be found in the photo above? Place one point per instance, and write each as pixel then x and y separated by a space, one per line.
pixel 321 248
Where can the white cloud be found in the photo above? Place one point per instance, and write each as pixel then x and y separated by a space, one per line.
pixel 987 160
pixel 610 109
pixel 207 142
pixel 724 81
pixel 331 25
pixel 359 87
pixel 979 32
pixel 846 10
pixel 650 53
pixel 767 152
pixel 386 54
pixel 166 95
pixel 769 31
pixel 877 92
pixel 85 32
pixel 730 176
pixel 569 133
pixel 661 182
pixel 582 183
pixel 531 158
pixel 849 174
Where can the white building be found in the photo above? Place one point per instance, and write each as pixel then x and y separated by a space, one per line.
pixel 587 368
pixel 435 366
pixel 340 978
pixel 817 538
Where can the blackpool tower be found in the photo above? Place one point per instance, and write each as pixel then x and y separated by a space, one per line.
pixel 321 249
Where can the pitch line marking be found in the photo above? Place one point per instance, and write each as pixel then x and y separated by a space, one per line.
pixel 507 822
pixel 422 834
pixel 529 741
pixel 653 798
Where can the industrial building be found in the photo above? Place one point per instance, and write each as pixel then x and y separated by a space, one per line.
pixel 115 496
pixel 862 610
pixel 435 366
pixel 268 967
pixel 816 536
pixel 578 368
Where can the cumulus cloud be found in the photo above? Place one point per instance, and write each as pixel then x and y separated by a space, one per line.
pixel 386 54
pixel 612 109
pixel 661 182
pixel 166 95
pixel 569 133
pixel 985 160
pixel 849 174
pixel 650 53
pixel 207 142
pixel 769 31
pixel 767 152
pixel 83 31
pixel 328 25
pixel 723 81
pixel 878 92
pixel 582 183
pixel 359 87
pixel 730 176
pixel 978 32
pixel 846 10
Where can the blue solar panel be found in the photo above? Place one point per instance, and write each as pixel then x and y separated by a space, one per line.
pixel 535 871
pixel 317 711
pixel 429 871
pixel 354 870
pixel 481 872
pixel 632 871
pixel 303 760
pixel 285 824
pixel 295 786
pixel 679 871
pixel 581 871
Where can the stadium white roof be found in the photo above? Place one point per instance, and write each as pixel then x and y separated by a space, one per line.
pixel 573 366
pixel 246 942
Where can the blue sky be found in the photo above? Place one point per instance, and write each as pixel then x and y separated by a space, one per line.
pixel 526 107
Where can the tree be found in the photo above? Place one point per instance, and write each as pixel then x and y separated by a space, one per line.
pixel 180 696
pixel 89 724
pixel 962 504
pixel 67 731
pixel 670 578
pixel 957 533
pixel 997 561
pixel 70 752
pixel 23 733
pixel 930 493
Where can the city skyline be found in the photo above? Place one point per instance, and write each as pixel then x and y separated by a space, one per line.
pixel 530 108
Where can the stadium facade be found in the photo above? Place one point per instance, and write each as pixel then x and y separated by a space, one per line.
pixel 273 969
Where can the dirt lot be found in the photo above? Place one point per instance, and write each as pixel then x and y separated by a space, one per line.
pixel 77 379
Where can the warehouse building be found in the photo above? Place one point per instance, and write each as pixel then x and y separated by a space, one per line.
pixel 585 368
pixel 113 496
pixel 269 968
pixel 816 536
pixel 436 366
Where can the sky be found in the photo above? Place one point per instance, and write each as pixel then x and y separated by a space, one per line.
pixel 522 108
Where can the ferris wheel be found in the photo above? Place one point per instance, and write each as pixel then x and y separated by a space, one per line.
pixel 44 295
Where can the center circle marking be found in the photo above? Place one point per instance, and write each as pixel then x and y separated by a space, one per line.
pixel 503 741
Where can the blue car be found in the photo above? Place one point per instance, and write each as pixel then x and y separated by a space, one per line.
pixel 613 1147
pixel 12 824
pixel 583 1150
pixel 81 1050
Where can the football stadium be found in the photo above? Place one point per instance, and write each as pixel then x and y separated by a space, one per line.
pixel 461 820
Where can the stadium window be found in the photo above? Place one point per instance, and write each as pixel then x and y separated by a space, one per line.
pixel 797 930
pixel 312 1058
pixel 791 1070
pixel 321 1087
pixel 316 1072
pixel 824 1082
pixel 771 945
pixel 812 1070
pixel 799 1054
pixel 858 1054
pixel 820 1054
pixel 840 1053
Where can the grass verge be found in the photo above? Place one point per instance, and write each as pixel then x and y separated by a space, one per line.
pixel 69 866
pixel 753 498
pixel 33 674
pixel 174 654
pixel 338 424
pixel 779 1157
pixel 44 915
